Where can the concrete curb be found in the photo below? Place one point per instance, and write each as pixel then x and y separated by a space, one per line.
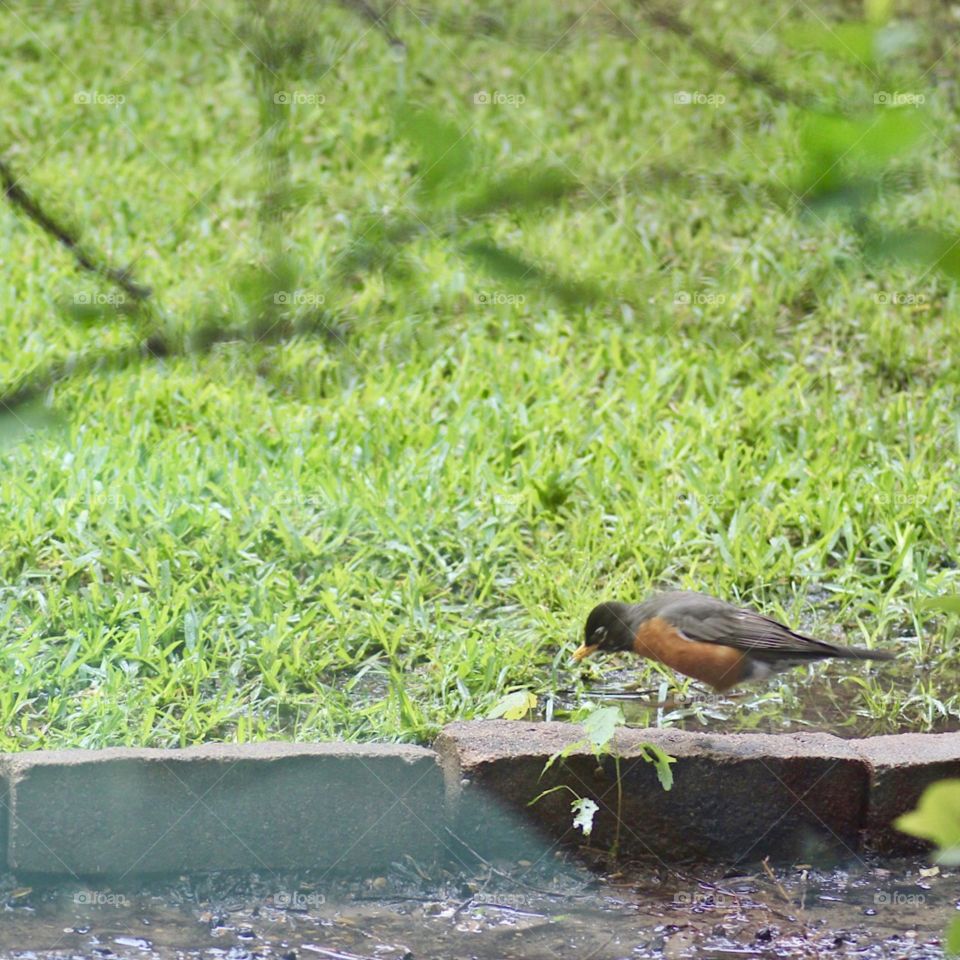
pixel 901 767
pixel 355 808
pixel 264 806
pixel 802 796
pixel 735 797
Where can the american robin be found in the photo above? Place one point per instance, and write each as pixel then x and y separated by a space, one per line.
pixel 707 639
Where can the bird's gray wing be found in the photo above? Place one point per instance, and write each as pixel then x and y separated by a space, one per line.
pixel 709 620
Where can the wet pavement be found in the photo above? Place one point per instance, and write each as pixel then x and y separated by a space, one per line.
pixel 864 909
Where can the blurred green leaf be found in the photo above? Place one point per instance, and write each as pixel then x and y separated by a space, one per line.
pixel 930 248
pixel 444 151
pixel 840 151
pixel 952 944
pixel 853 42
pixel 950 857
pixel 937 816
pixel 25 421
pixel 520 190
pixel 945 604
pixel 871 142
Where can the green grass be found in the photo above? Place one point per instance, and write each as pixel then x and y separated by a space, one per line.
pixel 370 534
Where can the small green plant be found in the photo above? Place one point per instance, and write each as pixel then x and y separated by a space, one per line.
pixel 600 727
pixel 937 818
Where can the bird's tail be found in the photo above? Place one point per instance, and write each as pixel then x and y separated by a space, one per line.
pixel 861 653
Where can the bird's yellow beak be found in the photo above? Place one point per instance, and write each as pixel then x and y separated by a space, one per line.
pixel 584 651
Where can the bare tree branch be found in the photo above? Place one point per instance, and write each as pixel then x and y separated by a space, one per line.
pixel 722 58
pixel 32 209
pixel 200 341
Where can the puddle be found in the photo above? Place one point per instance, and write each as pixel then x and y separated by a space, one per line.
pixel 820 705
pixel 865 909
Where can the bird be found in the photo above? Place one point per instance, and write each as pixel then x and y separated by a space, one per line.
pixel 708 639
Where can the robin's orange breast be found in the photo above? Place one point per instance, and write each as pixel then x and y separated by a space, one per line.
pixel 713 663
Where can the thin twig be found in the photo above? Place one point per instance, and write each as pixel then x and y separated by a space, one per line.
pixel 157 347
pixel 777 884
pixel 506 908
pixel 721 58
pixel 31 207
pixel 489 25
pixel 494 26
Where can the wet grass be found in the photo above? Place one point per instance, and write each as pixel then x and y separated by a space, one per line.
pixel 373 533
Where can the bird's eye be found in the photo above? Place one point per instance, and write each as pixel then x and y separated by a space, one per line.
pixel 599 634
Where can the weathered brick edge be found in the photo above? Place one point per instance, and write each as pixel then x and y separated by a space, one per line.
pixel 735 796
pixel 355 808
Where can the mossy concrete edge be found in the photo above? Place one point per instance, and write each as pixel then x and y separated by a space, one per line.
pixel 355 808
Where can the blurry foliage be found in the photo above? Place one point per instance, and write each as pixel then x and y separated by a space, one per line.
pixel 28 419
pixel 937 819
pixel 453 198
pixel 745 480
pixel 845 152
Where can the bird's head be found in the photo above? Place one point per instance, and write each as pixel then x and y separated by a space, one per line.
pixel 608 630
